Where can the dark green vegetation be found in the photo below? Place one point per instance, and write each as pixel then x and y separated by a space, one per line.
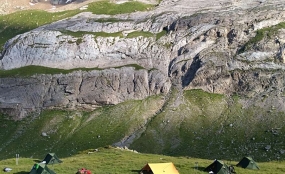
pixel 116 161
pixel 205 125
pixel 24 21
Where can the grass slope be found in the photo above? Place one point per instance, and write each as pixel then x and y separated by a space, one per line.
pixel 116 161
pixel 70 132
pixel 209 125
pixel 204 125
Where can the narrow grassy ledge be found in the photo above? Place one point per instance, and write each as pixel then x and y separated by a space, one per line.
pixel 140 33
pixel 28 71
pixel 32 70
pixel 105 7
pixel 136 66
pixel 160 34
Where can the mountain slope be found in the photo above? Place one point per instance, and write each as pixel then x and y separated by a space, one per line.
pixel 203 84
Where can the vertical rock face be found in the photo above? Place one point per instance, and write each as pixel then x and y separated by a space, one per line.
pixel 226 52
pixel 79 90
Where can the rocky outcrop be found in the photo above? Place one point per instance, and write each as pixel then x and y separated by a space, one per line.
pixel 57 50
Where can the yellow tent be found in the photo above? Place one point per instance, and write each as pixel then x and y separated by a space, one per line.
pixel 159 168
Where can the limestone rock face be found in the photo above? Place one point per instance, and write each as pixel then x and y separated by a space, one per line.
pixel 56 50
pixel 233 47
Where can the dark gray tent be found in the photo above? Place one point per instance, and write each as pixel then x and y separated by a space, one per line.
pixel 51 158
pixel 248 163
pixel 218 167
pixel 41 168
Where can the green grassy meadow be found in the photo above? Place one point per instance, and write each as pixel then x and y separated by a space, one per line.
pixel 115 161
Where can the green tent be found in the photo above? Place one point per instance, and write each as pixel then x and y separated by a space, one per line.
pixel 218 167
pixel 248 163
pixel 51 158
pixel 41 168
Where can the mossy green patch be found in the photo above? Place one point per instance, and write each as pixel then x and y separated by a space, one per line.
pixel 105 7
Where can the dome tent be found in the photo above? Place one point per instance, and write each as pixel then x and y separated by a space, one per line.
pixel 218 167
pixel 41 168
pixel 248 163
pixel 51 158
pixel 159 168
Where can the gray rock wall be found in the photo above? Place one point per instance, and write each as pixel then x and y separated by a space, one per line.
pixel 79 90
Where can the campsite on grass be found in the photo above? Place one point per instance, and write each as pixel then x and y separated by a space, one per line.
pixel 117 160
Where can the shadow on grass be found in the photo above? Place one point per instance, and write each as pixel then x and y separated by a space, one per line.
pixel 135 171
pixel 22 172
pixel 37 161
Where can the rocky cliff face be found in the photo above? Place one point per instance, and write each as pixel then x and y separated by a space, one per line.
pixel 79 90
pixel 238 48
